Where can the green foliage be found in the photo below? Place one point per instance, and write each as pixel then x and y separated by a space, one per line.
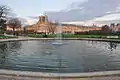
pixel 3 25
pixel 3 28
pixel 70 36
pixel 41 36
pixel 6 37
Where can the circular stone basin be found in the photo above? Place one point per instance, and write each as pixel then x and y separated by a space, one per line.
pixel 73 56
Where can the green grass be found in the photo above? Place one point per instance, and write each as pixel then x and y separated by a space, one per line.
pixel 88 36
pixel 40 36
pixel 71 36
pixel 6 37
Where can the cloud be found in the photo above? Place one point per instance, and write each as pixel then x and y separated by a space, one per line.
pixel 33 17
pixel 117 10
pixel 109 17
pixel 27 21
pixel 77 22
pixel 30 21
pixel 87 10
pixel 75 5
pixel 84 23
pixel 99 21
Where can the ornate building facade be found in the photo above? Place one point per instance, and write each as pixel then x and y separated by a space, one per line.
pixel 44 26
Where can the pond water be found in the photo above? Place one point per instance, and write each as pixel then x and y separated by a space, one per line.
pixel 73 56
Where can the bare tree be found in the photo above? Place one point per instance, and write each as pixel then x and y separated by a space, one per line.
pixel 52 27
pixel 14 23
pixel 4 11
pixel 106 29
pixel 118 24
pixel 112 25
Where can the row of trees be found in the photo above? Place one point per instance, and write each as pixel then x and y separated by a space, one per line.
pixel 106 30
pixel 14 22
pixel 52 27
pixel 4 10
pixel 5 20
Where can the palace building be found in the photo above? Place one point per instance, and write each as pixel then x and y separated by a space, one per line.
pixel 45 26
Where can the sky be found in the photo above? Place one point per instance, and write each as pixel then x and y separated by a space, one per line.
pixel 68 11
pixel 35 7
pixel 89 12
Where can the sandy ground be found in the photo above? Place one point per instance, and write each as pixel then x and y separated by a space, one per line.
pixel 3 77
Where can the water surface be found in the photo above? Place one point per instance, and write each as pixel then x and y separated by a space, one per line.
pixel 72 56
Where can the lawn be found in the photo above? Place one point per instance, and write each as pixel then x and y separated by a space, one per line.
pixel 41 36
pixel 6 37
pixel 70 36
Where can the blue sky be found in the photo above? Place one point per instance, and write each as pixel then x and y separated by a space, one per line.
pixel 78 11
pixel 35 7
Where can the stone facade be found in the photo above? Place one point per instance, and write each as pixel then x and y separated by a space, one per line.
pixel 44 26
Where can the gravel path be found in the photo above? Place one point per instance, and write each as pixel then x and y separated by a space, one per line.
pixel 3 77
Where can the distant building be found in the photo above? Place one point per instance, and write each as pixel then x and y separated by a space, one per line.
pixel 115 28
pixel 44 26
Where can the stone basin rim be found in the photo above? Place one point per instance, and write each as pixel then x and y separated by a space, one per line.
pixel 86 39
pixel 56 75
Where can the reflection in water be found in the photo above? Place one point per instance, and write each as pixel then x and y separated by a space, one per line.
pixel 6 48
pixel 112 45
pixel 14 45
pixel 49 50
pixel 3 53
pixel 47 53
pixel 93 42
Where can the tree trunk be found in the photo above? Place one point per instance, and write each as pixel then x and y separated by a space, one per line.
pixel 14 31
